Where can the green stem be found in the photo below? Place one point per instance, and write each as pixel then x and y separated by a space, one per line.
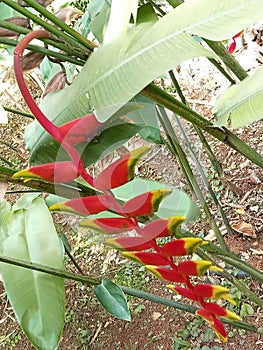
pixel 233 260
pixel 203 175
pixel 214 162
pixel 189 175
pixel 14 27
pixel 227 58
pixel 35 48
pixel 222 134
pixel 15 111
pixel 209 152
pixel 50 28
pixel 129 291
pixel 222 70
pixel 52 18
pixel 205 144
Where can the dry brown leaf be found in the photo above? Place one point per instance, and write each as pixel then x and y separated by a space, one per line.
pixel 19 21
pixel 31 60
pixel 244 228
pixel 68 14
pixel 58 82
pixel 156 315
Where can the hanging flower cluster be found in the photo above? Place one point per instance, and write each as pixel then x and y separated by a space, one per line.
pixel 143 246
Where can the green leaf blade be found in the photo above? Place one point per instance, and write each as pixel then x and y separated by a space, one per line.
pixel 38 299
pixel 113 299
pixel 241 104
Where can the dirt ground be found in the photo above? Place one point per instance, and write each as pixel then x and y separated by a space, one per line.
pixel 153 326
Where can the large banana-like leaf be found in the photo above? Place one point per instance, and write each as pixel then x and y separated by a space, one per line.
pixel 241 104
pixel 38 299
pixel 115 73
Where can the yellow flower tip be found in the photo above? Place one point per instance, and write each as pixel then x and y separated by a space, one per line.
pixel 129 255
pixel 87 223
pixel 139 152
pixel 171 286
pixel 28 179
pixel 216 268
pixel 18 174
pixel 23 173
pixel 220 336
pixel 111 242
pixel 232 316
pixel 57 207
pixel 152 269
pixel 229 298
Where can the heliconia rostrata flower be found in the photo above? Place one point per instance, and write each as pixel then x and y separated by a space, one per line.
pixel 142 244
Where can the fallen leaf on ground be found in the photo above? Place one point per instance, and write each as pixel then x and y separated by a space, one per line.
pixel 156 315
pixel 244 228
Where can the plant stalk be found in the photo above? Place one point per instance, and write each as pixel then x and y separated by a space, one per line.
pixel 222 134
pixel 52 18
pixel 55 54
pixel 227 58
pixel 15 111
pixel 50 28
pixel 177 150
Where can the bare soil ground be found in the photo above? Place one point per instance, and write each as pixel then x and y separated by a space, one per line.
pixel 153 326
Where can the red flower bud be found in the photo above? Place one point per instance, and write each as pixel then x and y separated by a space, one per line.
pixel 147 258
pixel 121 171
pixel 57 172
pixel 213 292
pixel 166 274
pixel 83 129
pixel 214 323
pixel 163 227
pixel 146 203
pixel 110 225
pixel 83 206
pixel 129 243
pixel 180 247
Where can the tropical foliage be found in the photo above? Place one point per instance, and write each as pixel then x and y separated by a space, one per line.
pixel 111 58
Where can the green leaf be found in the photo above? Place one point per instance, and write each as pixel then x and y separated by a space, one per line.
pixel 7 12
pixel 113 299
pixel 136 57
pixel 98 23
pixel 146 117
pixel 119 19
pixel 241 104
pixel 25 202
pixel 246 310
pixel 5 212
pixel 146 13
pixel 139 56
pixel 178 203
pixel 38 299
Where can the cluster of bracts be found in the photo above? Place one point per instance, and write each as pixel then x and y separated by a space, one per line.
pixel 142 242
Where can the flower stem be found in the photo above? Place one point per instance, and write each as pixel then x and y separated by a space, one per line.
pixel 18 54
